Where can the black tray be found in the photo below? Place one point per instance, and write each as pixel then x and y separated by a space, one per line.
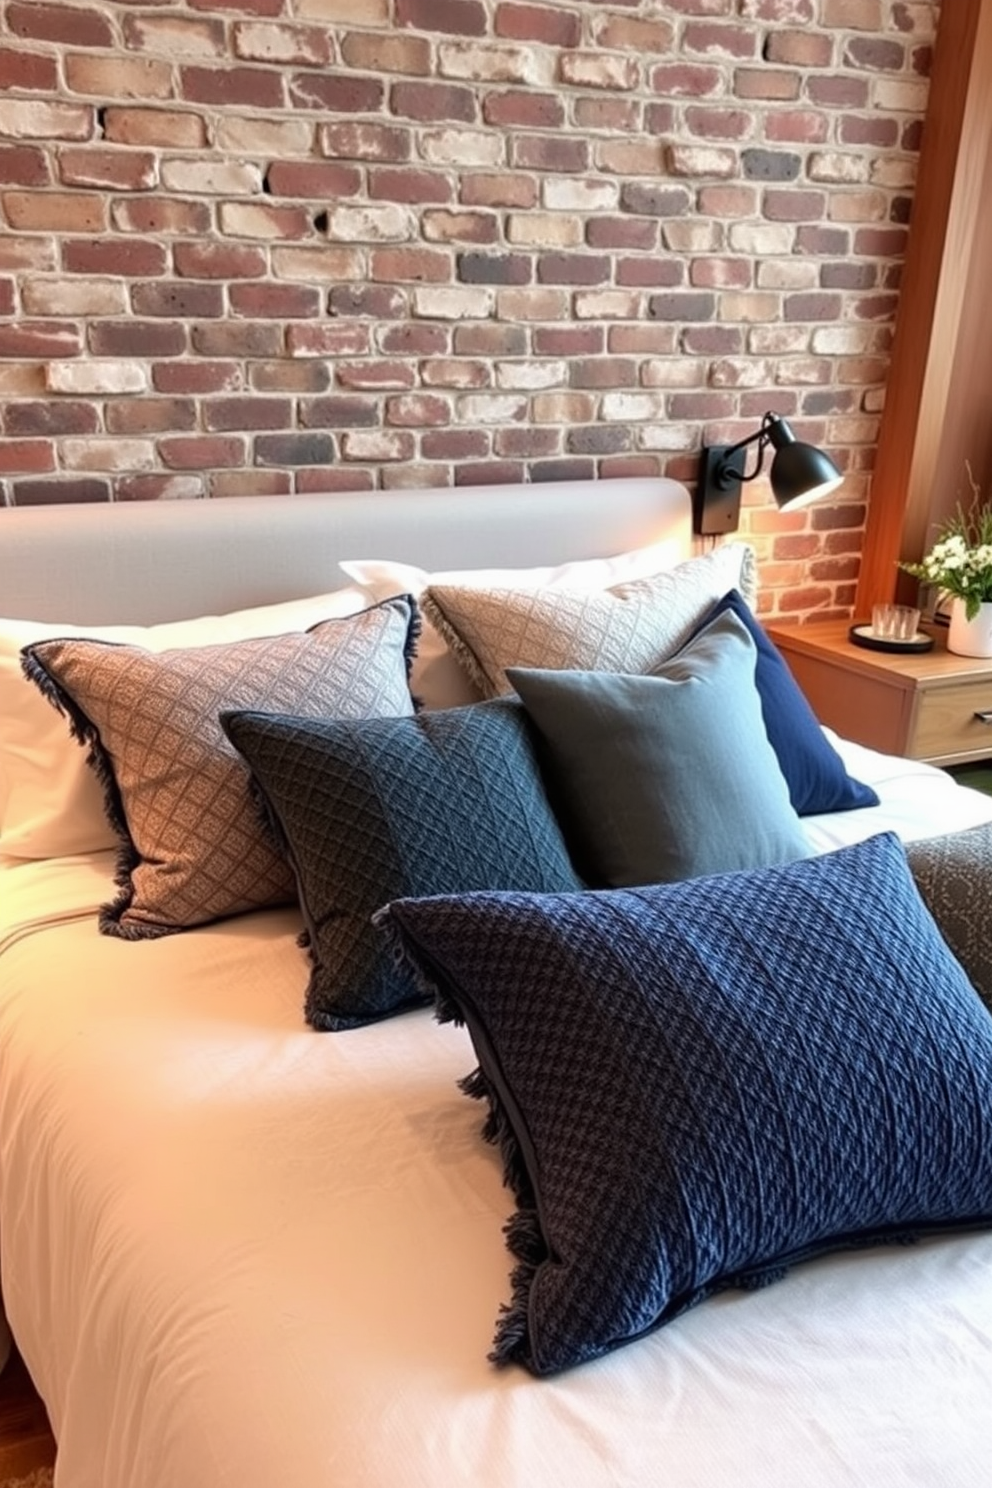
pixel 863 635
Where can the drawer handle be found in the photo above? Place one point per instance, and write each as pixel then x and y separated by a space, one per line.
pixel 984 715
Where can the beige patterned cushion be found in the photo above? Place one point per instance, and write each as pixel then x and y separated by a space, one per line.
pixel 954 876
pixel 196 848
pixel 631 627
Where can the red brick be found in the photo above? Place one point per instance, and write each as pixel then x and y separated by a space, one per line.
pixel 289 377
pixel 39 338
pixel 810 48
pixel 816 307
pixel 258 301
pixel 379 301
pixel 212 260
pixel 563 470
pixel 59 23
pixel 52 417
pixel 231 338
pixel 454 17
pixel 720 39
pixel 149 415
pixel 136 338
pixel 721 123
pixel 768 84
pixel 481 190
pixel 121 256
pixel 490 473
pixel 433 102
pixel 371 52
pixel 410 265
pixel 178 301
pixel 17 455
pixel 686 80
pixel 549 153
pixel 338 412
pixel 120 170
pixel 252 86
pixel 225 483
pixel 197 376
pixel 294 449
pixel 837 92
pixel 311 180
pixel 365 141
pixel 168 127
pixel 627 33
pixel 223 415
pixel 553 25
pixel 242 7
pixel 58 211
pixel 572 268
pixel 803 125
pixel 338 93
pixel 417 410
pixel 455 444
pixel 618 115
pixel 495 268
pixel 622 232
pixel 23 165
pixel 200 452
pixel 55 492
pixel 320 478
pixel 117 76
pixel 408 185
pixel 569 341
pixel 880 242
pixel 527 444
pixel 875 54
pixel 712 340
pixel 794 206
pixel 650 200
pixel 161 216
pixel 29 71
pixel 157 487
pixel 374 376
pixel 857 129
pixel 523 110
pixel 410 339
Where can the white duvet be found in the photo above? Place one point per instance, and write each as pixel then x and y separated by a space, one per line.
pixel 239 1254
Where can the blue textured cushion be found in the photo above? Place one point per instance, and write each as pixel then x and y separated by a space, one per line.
pixel 433 804
pixel 815 773
pixel 666 776
pixel 698 1084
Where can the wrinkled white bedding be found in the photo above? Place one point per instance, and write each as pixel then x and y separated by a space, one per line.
pixel 236 1252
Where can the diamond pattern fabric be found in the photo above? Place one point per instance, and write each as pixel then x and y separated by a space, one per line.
pixel 441 803
pixel 696 1085
pixel 177 791
pixel 631 627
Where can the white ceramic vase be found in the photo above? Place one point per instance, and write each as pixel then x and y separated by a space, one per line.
pixel 970 637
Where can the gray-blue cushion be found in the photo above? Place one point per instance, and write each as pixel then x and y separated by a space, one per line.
pixel 437 803
pixel 815 773
pixel 696 1085
pixel 668 776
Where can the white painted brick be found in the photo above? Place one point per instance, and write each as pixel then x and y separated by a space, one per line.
pixel 96 377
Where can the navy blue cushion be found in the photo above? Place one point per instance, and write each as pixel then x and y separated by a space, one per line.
pixel 432 804
pixel 815 773
pixel 698 1084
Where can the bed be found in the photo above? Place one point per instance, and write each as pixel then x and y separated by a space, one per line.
pixel 236 1250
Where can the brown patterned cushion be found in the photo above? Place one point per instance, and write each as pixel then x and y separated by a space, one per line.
pixel 196 849
pixel 631 627
pixel 954 876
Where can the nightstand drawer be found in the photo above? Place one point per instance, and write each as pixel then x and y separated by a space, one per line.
pixel 945 722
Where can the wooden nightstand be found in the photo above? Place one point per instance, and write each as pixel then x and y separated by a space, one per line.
pixel 927 705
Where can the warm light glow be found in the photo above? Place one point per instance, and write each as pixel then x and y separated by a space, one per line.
pixel 808 497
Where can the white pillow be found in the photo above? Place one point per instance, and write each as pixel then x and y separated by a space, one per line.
pixel 438 680
pixel 51 803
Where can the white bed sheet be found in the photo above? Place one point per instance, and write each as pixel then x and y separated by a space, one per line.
pixel 236 1252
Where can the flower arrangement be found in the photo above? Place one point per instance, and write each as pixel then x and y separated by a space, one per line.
pixel 960 561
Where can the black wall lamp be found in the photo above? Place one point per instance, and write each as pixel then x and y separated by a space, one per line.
pixel 799 473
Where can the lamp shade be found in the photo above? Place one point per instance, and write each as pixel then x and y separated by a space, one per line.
pixel 800 473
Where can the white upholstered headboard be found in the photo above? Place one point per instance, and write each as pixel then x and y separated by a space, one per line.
pixel 147 562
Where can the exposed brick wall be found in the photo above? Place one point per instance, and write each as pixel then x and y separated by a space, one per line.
pixel 305 245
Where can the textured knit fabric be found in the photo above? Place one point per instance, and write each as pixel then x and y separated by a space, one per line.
pixel 437 804
pixel 697 1084
pixel 814 771
pixel 177 793
pixel 668 776
pixel 954 875
pixel 630 627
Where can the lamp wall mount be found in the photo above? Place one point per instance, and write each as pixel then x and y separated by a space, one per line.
pixel 799 473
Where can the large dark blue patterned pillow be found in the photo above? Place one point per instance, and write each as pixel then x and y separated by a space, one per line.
pixel 815 773
pixel 439 803
pixel 697 1084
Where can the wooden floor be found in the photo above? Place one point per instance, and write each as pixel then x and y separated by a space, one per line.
pixel 25 1440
